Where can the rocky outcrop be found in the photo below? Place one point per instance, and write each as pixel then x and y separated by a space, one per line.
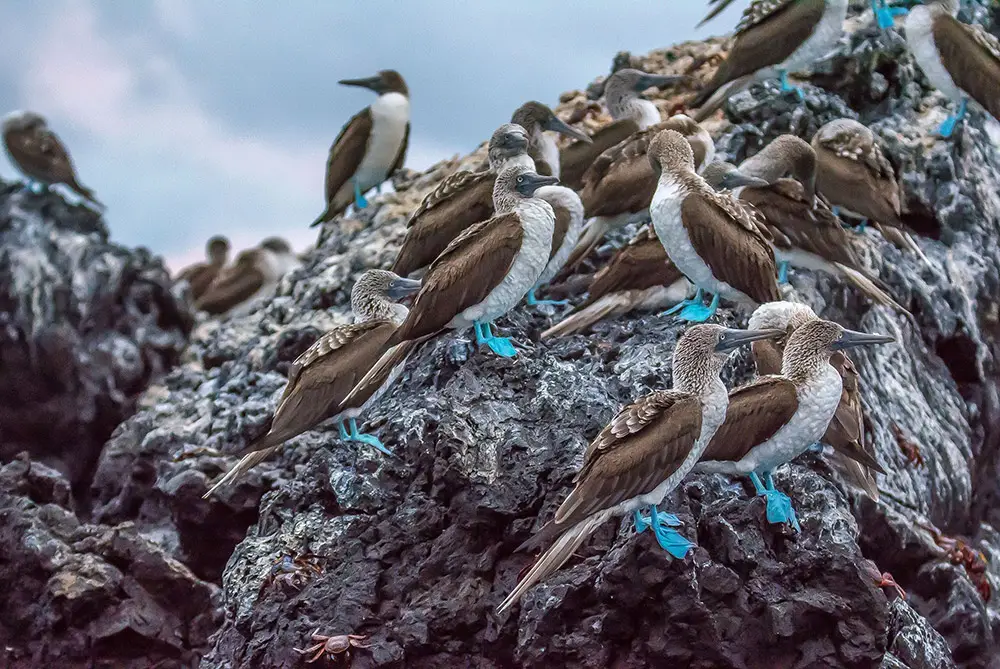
pixel 415 551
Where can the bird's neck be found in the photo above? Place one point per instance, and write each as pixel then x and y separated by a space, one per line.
pixel 633 108
pixel 371 307
pixel 497 163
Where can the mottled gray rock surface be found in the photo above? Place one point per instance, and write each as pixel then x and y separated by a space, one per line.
pixel 415 551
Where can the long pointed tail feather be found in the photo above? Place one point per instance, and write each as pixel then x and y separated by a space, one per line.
pixel 868 286
pixel 246 463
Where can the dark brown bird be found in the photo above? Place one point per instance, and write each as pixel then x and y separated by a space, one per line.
pixel 254 274
pixel 40 154
pixel 201 275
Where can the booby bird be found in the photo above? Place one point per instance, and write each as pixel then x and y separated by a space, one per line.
pixel 630 113
pixel 536 118
pixel 40 154
pixel 322 378
pixel 804 231
pixel 638 276
pixel 959 59
pixel 568 209
pixel 858 180
pixel 462 199
pixel 255 273
pixel 621 181
pixel 883 12
pixel 773 38
pixel 201 275
pixel 711 237
pixel 774 419
pixel 644 453
pixel 490 267
pixel 371 147
pixel 846 434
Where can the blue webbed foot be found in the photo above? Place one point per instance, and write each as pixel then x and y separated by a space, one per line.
pixel 778 504
pixel 699 313
pixel 355 435
pixel 862 226
pixel 885 15
pixel 697 299
pixel 669 539
pixel 947 128
pixel 502 346
pixel 533 300
pixel 783 271
pixel 787 87
pixel 359 200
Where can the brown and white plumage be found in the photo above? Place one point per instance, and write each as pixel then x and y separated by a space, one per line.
pixel 536 118
pixel 323 377
pixel 371 146
pixel 255 273
pixel 40 154
pixel 201 275
pixel 646 450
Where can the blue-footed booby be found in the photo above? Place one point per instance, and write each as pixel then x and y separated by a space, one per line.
pixel 644 453
pixel 371 147
pixel 854 455
pixel 621 181
pixel 884 14
pixel 488 268
pixel 712 238
pixel 201 275
pixel 461 199
pixel 536 118
pixel 779 182
pixel 568 209
pixel 630 113
pixel 255 273
pixel 774 419
pixel 960 60
pixel 773 38
pixel 856 178
pixel 40 154
pixel 638 276
pixel 321 379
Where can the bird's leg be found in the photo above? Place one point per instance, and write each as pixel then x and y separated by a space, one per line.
pixel 778 504
pixel 359 200
pixel 499 345
pixel 786 87
pixel 783 271
pixel 669 539
pixel 862 226
pixel 697 299
pixel 643 523
pixel 534 301
pixel 948 127
pixel 355 435
pixel 885 14
pixel 699 313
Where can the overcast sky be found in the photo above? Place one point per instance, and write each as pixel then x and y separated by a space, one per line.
pixel 192 118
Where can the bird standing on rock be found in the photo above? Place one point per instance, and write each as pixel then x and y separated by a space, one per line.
pixel 490 267
pixel 711 237
pixel 536 118
pixel 371 147
pixel 255 273
pixel 774 419
pixel 322 378
pixel 200 276
pixel 40 154
pixel 644 453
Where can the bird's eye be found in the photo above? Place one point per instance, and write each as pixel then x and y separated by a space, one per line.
pixel 520 180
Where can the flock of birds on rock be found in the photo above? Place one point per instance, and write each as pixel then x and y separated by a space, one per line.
pixel 484 241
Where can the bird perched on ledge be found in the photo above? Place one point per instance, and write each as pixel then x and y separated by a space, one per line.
pixel 644 453
pixel 40 154
pixel 371 147
pixel 255 273
pixel 321 379
pixel 200 276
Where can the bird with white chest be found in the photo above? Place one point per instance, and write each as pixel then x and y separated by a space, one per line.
pixel 536 118
pixel 774 419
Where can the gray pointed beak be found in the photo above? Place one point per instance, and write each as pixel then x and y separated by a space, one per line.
pixel 557 125
pixel 732 339
pixel 400 288
pixel 851 339
pixel 735 179
pixel 529 182
pixel 658 81
pixel 371 83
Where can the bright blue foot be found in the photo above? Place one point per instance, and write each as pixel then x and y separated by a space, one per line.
pixel 816 448
pixel 885 15
pixel 778 504
pixel 862 226
pixel 359 200
pixel 783 271
pixel 948 127
pixel 533 301
pixel 699 313
pixel 499 345
pixel 697 299
pixel 835 210
pixel 669 539
pixel 787 87
pixel 356 435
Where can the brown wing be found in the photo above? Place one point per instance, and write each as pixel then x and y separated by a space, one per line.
pixel 322 377
pixel 852 172
pixel 561 228
pixel 232 287
pixel 730 244
pixel 41 155
pixel 794 222
pixel 767 355
pixel 464 274
pixel 640 264
pixel 459 201
pixel 621 179
pixel 642 446
pixel 972 57
pixel 578 156
pixel 401 156
pixel 846 433
pixel 346 154
pixel 379 374
pixel 769 33
pixel 756 412
pixel 199 277
pixel 542 167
